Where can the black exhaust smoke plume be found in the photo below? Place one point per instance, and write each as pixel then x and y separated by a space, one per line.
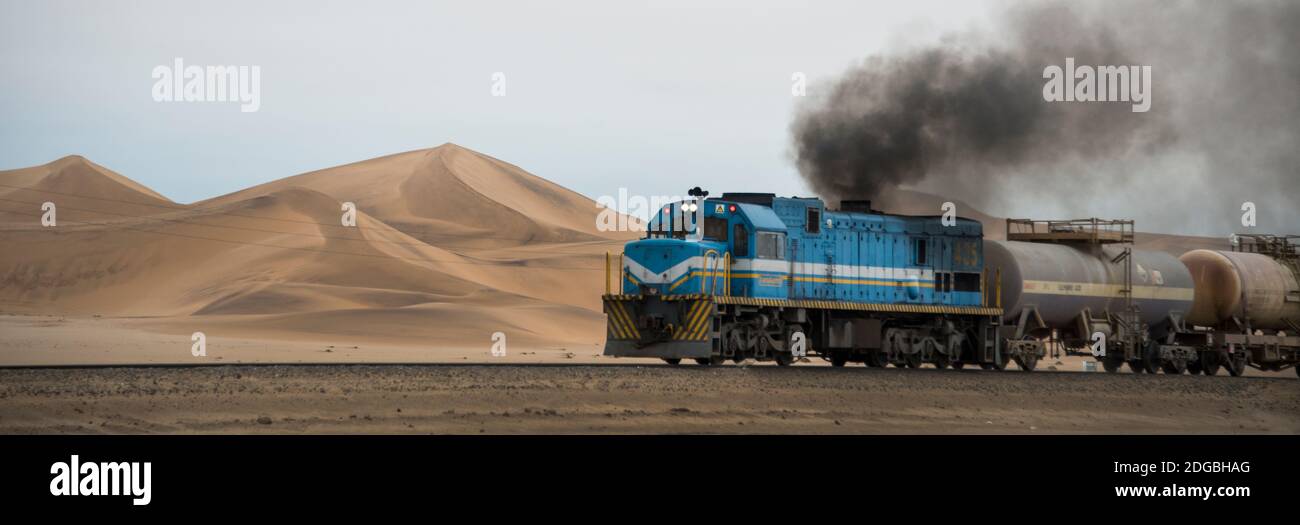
pixel 966 119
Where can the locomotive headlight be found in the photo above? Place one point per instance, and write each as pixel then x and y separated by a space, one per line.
pixel 691 207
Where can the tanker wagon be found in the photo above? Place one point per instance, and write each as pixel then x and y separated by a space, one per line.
pixel 1247 307
pixel 1082 284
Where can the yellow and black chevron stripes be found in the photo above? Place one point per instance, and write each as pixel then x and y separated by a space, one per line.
pixel 621 325
pixel 696 323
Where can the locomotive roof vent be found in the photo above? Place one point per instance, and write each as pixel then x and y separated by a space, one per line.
pixel 761 199
pixel 859 206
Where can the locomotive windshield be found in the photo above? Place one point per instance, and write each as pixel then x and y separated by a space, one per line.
pixel 715 229
pixel 675 221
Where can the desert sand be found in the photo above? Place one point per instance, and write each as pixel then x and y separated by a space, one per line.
pixel 552 399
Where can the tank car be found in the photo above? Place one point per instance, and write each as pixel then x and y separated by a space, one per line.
pixel 1249 299
pixel 1081 283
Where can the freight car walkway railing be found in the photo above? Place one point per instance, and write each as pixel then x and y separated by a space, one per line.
pixel 1094 230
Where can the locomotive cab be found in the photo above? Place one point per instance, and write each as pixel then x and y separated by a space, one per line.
pixel 668 277
pixel 691 246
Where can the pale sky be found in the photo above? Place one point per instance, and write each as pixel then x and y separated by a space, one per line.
pixel 655 97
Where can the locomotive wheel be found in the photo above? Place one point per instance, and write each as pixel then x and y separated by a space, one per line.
pixel 710 361
pixel 1194 367
pixel 673 360
pixel 913 360
pixel 999 363
pixel 958 365
pixel 1112 362
pixel 735 346
pixel 986 366
pixel 878 359
pixel 942 360
pixel 784 358
pixel 1210 363
pixel 764 346
pixel 1174 366
pixel 838 359
pixel 1137 366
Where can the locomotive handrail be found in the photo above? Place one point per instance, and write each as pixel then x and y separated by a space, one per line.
pixel 984 296
pixel 726 268
pixel 710 272
pixel 621 278
pixel 997 285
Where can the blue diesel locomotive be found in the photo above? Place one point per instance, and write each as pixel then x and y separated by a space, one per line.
pixel 755 276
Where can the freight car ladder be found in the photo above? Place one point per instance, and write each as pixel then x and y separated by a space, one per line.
pixel 1131 317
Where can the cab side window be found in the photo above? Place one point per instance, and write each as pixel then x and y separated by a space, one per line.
pixel 814 221
pixel 771 245
pixel 740 236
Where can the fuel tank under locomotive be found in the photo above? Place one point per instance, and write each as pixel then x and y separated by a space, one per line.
pixel 1063 281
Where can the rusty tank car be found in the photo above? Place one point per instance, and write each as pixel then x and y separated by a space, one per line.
pixel 1247 303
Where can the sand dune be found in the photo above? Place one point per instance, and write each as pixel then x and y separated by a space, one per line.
pixel 450 247
pixel 75 185
pixel 451 195
pixel 74 175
